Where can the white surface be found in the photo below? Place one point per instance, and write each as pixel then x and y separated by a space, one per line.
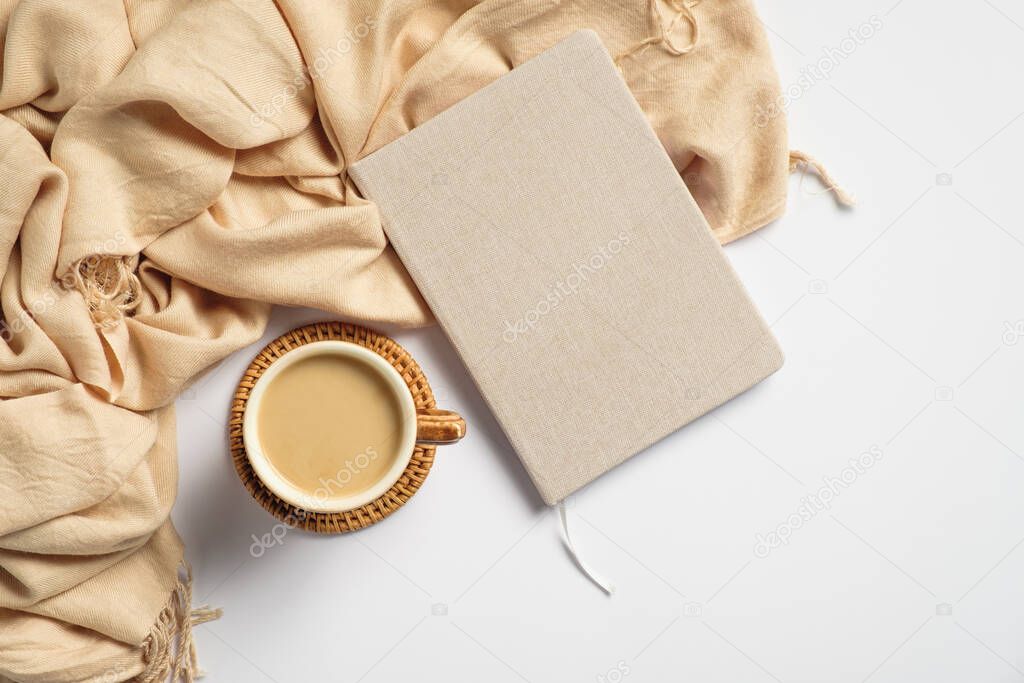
pixel 892 318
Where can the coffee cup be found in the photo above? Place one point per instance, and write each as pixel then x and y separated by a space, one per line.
pixel 331 426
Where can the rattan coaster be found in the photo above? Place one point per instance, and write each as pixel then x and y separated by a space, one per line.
pixel 406 486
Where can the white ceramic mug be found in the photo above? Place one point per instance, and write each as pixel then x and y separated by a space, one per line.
pixel 425 426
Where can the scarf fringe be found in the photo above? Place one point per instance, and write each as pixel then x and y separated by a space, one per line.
pixel 108 284
pixel 664 37
pixel 164 661
pixel 798 159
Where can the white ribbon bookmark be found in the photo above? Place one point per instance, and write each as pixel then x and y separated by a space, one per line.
pixel 604 584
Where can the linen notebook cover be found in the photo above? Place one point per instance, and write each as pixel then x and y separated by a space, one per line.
pixel 570 267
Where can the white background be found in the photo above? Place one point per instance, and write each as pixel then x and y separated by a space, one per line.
pixel 899 322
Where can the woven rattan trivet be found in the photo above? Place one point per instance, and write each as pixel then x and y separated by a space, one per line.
pixel 371 513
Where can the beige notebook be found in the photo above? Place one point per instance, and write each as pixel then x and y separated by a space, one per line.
pixel 567 262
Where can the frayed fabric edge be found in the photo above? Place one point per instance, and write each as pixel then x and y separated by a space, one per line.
pixel 798 159
pixel 108 284
pixel 169 652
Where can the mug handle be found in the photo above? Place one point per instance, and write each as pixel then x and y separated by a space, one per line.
pixel 436 426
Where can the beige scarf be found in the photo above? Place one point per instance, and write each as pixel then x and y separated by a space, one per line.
pixel 172 168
